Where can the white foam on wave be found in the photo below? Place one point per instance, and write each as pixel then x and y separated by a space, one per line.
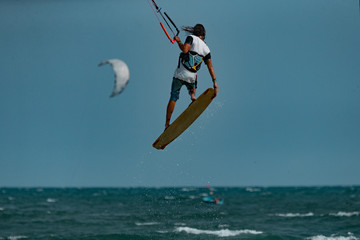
pixel 345 214
pixel 146 223
pixel 16 237
pixel 291 215
pixel 334 237
pixel 2 209
pixel 250 189
pixel 219 233
pixel 51 200
pixel 185 189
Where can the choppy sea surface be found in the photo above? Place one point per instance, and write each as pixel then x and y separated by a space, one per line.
pixel 314 213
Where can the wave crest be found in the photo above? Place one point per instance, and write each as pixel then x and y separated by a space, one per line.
pixel 219 233
pixel 345 214
pixel 310 214
pixel 333 237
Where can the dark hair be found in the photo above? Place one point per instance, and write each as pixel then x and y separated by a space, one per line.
pixel 197 30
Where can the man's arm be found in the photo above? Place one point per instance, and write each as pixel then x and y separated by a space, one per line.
pixel 183 47
pixel 212 74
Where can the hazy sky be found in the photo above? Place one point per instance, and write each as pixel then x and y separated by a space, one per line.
pixel 287 113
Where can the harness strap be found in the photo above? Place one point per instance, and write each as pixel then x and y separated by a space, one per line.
pixel 194 67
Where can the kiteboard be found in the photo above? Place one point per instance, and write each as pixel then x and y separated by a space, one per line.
pixel 185 119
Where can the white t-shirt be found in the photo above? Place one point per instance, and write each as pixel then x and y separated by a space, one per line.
pixel 198 46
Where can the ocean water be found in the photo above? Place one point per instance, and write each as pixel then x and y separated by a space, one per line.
pixel 314 213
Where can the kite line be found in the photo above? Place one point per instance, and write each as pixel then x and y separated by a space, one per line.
pixel 158 11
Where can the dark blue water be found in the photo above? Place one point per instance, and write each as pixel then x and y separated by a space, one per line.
pixel 315 213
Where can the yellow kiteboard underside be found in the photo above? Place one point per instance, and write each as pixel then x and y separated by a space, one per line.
pixel 184 120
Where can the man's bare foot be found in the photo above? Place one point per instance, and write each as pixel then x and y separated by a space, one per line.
pixel 192 101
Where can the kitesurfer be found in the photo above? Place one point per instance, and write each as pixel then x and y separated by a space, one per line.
pixel 193 52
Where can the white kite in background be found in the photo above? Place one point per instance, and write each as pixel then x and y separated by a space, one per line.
pixel 122 74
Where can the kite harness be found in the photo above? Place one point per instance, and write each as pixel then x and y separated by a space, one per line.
pixel 191 61
pixel 158 11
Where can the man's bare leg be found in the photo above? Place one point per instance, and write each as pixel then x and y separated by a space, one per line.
pixel 169 111
pixel 192 94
